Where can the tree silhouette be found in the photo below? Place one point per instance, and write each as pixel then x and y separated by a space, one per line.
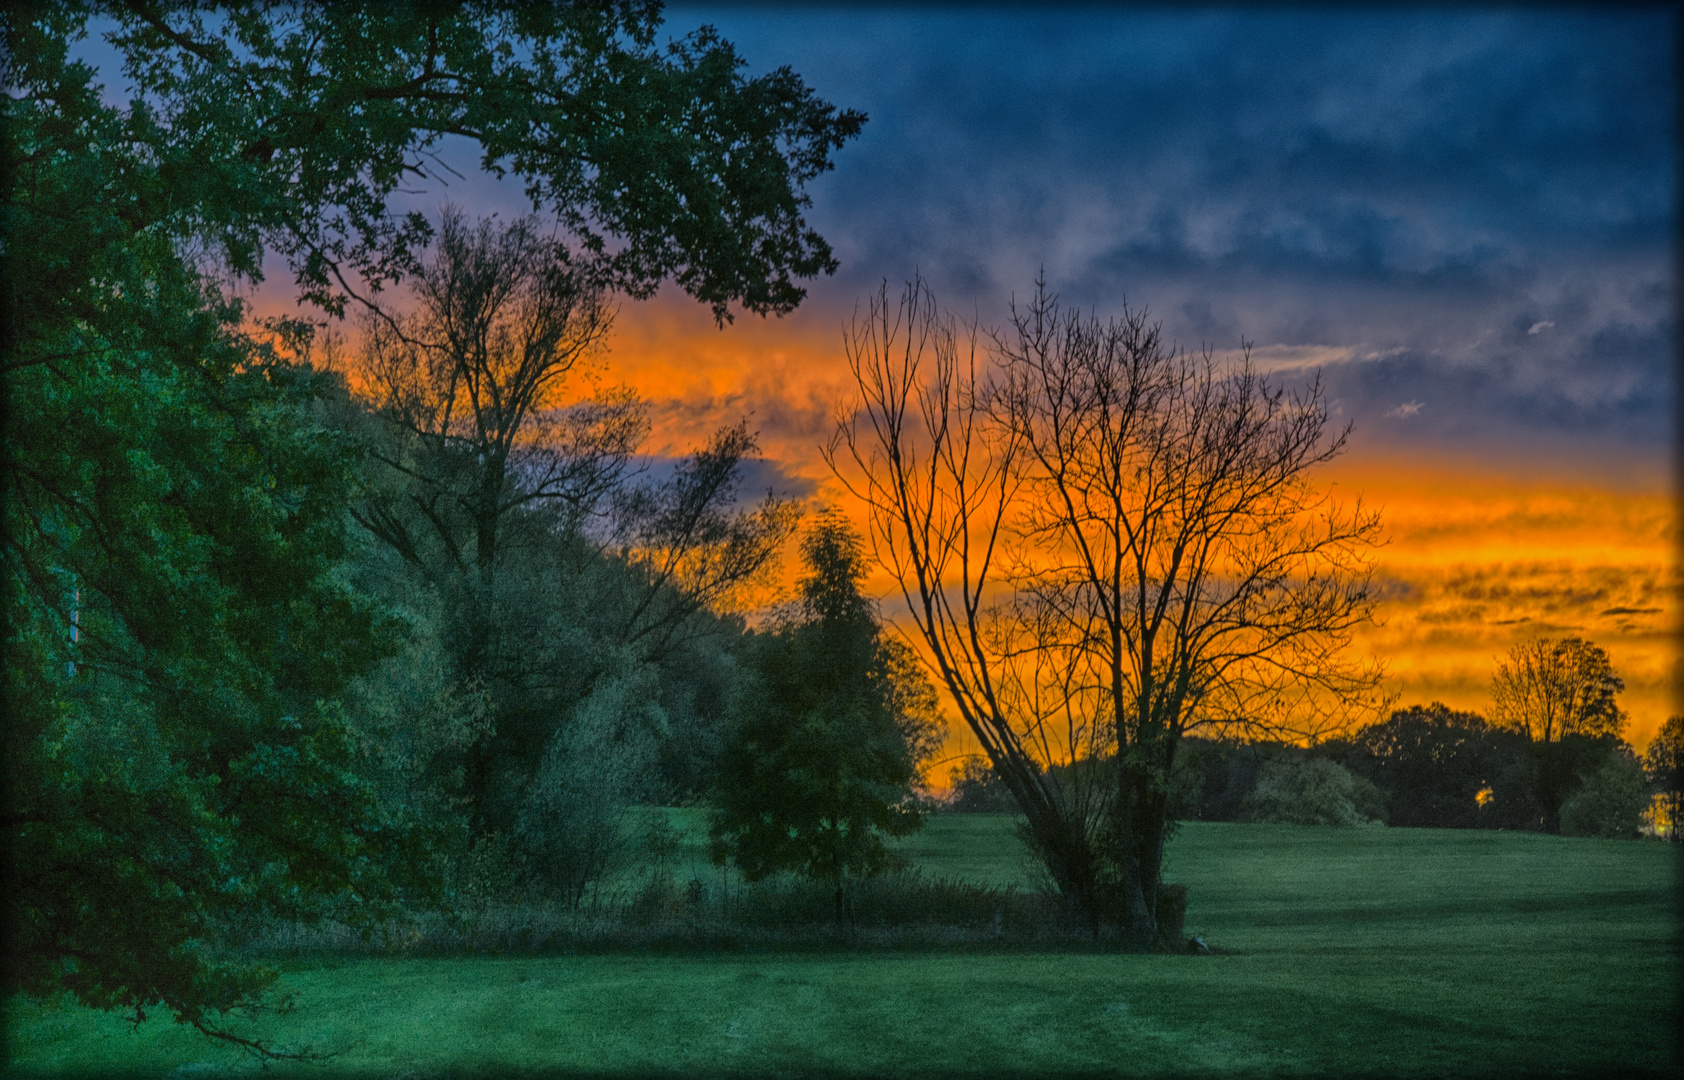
pixel 1560 694
pixel 1105 544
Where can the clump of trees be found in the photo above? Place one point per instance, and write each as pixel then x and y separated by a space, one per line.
pixel 1559 693
pixel 225 698
pixel 1663 765
pixel 1552 762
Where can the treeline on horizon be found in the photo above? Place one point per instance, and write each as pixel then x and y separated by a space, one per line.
pixel 1424 767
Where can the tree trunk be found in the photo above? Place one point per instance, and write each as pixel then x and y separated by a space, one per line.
pixel 1141 809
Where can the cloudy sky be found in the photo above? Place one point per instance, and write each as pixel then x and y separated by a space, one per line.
pixel 1465 221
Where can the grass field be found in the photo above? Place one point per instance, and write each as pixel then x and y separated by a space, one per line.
pixel 1342 952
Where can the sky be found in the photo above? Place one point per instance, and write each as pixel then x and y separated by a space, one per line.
pixel 1464 220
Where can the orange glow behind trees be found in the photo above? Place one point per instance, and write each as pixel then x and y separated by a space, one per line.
pixel 1484 553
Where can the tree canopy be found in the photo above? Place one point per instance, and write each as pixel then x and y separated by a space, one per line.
pixel 818 770
pixel 292 125
pixel 170 489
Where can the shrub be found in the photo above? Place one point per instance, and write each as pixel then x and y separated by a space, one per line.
pixel 978 790
pixel 1313 792
pixel 1611 801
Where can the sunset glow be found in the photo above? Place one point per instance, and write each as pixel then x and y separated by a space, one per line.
pixel 1494 318
pixel 1483 551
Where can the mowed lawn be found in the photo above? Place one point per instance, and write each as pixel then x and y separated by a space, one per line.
pixel 1341 952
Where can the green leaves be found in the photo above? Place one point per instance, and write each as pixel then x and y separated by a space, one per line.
pixel 668 157
pixel 165 481
pixel 817 770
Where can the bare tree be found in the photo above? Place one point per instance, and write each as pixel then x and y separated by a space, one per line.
pixel 1105 544
pixel 475 377
pixel 690 542
pixel 1559 693
pixel 1554 688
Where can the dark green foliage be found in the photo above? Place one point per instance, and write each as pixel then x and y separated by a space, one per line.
pixel 1434 762
pixel 169 490
pixel 166 487
pixel 1555 770
pixel 1663 765
pixel 1211 778
pixel 1610 801
pixel 312 116
pixel 816 771
pixel 1312 791
pixel 978 789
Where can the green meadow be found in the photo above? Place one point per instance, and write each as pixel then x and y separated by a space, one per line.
pixel 1338 952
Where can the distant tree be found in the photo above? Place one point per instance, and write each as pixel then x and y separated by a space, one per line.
pixel 1560 694
pixel 817 771
pixel 1313 791
pixel 1552 688
pixel 1663 764
pixel 977 789
pixel 1435 764
pixel 1610 801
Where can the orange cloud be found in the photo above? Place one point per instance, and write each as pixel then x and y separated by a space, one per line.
pixel 1481 559
pixel 1484 552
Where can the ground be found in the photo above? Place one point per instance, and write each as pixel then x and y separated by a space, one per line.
pixel 1376 951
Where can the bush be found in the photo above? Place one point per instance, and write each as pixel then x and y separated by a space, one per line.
pixel 1610 803
pixel 572 819
pixel 1313 792
pixel 978 790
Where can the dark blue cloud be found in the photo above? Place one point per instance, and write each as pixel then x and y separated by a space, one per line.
pixel 1422 186
pixel 1408 193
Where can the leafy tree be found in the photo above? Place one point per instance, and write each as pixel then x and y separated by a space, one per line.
pixel 178 761
pixel 1663 764
pixel 1313 791
pixel 817 770
pixel 1611 800
pixel 167 490
pixel 1434 763
pixel 1560 694
pixel 666 161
